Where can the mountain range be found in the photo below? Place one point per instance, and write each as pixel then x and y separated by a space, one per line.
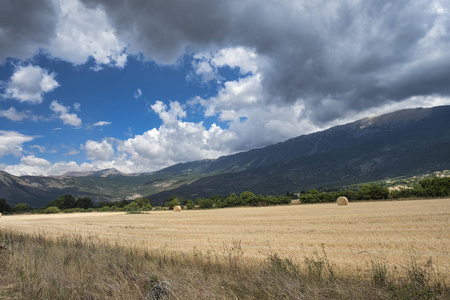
pixel 403 143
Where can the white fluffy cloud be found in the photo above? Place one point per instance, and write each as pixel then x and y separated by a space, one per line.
pixel 13 114
pixel 102 151
pixel 174 141
pixel 29 83
pixel 32 160
pixel 82 32
pixel 11 142
pixel 63 113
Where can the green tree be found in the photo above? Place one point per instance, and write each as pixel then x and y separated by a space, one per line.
pixel 63 202
pixel 133 206
pixel 216 198
pixel 372 192
pixel 247 197
pixel 190 204
pixel 147 207
pixel 231 201
pixel 205 203
pixel 59 203
pixel 104 203
pixel 121 203
pixel 22 207
pixel 4 206
pixel 436 187
pixel 84 202
pixel 142 201
pixel 172 203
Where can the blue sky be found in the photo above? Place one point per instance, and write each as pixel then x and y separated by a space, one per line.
pixel 141 85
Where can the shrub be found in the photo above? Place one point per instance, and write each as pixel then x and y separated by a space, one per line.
pixel 105 208
pixel 172 203
pixel 189 204
pixel 246 197
pixel 133 206
pixel 22 207
pixel 205 203
pixel 147 207
pixel 372 192
pixel 52 210
pixel 436 187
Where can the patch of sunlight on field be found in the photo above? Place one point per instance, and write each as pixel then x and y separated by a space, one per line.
pixel 355 234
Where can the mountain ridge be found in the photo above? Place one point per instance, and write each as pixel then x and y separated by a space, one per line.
pixel 366 149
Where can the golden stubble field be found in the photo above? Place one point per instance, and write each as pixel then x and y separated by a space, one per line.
pixel 395 231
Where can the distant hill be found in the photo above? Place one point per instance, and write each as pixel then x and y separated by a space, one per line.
pixel 403 143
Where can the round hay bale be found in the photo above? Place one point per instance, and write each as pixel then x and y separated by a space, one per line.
pixel 0 215
pixel 295 201
pixel 342 201
pixel 177 208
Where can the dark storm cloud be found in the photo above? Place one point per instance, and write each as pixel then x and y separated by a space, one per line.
pixel 25 26
pixel 334 55
pixel 350 55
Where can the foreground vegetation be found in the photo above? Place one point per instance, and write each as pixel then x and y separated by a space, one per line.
pixel 74 267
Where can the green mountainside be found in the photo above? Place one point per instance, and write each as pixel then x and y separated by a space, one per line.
pixel 403 143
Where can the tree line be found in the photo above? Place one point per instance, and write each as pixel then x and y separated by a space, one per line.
pixel 435 187
pixel 427 188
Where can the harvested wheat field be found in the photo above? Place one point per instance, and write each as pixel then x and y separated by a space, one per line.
pixel 395 231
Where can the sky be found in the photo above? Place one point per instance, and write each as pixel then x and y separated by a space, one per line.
pixel 139 85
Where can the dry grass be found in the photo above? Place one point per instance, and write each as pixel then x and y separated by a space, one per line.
pixel 375 250
pixel 353 235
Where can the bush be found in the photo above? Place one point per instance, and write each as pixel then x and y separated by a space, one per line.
pixel 22 207
pixel 133 206
pixel 436 187
pixel 189 204
pixel 205 203
pixel 147 207
pixel 105 208
pixel 172 203
pixel 372 192
pixel 52 210
pixel 247 197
